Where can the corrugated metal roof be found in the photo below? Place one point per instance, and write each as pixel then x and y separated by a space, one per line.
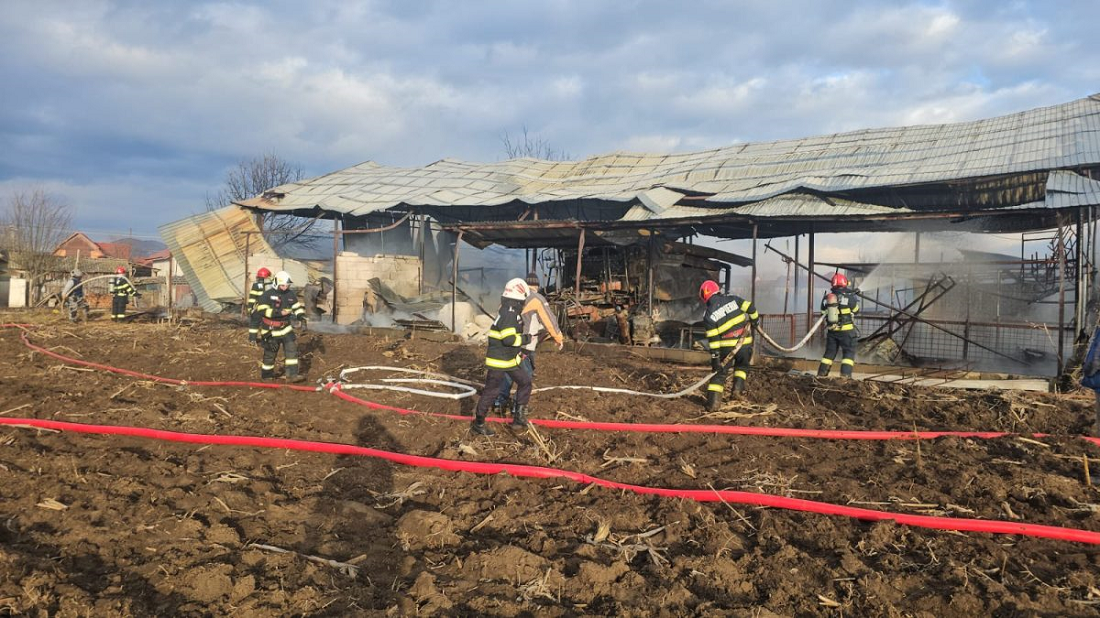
pixel 1048 138
pixel 210 249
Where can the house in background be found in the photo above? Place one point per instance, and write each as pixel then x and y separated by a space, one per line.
pixel 79 244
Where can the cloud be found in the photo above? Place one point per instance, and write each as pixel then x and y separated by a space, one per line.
pixel 164 97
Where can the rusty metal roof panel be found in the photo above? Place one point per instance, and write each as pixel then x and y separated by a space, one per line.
pixel 210 249
pixel 1048 138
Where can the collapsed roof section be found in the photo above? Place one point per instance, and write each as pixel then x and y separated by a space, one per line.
pixel 1008 173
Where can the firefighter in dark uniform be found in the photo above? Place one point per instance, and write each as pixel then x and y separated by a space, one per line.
pixel 121 291
pixel 259 286
pixel 272 317
pixel 727 318
pixel 505 357
pixel 839 307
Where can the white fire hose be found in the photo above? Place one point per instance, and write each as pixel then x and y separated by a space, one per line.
pixel 467 388
pixel 805 339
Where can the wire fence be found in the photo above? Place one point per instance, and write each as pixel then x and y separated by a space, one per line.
pixel 1021 347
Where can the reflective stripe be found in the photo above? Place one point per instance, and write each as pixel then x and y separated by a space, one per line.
pixel 501 334
pixel 848 361
pixel 290 361
pixel 842 327
pixel 845 311
pixel 826 361
pixel 267 367
pixel 740 374
pixel 253 331
pixel 716 388
pixel 729 343
pixel 282 331
pixel 502 364
pixel 730 323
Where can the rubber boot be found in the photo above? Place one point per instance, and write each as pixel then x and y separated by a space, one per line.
pixel 296 378
pixel 846 371
pixel 267 375
pixel 823 370
pixel 738 386
pixel 519 416
pixel 714 398
pixel 482 428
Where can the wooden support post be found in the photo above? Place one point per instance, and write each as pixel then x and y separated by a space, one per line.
pixel 916 247
pixel 1079 270
pixel 335 259
pixel 650 265
pixel 171 271
pixel 794 302
pixel 810 279
pixel 1061 299
pixel 577 279
pixel 454 282
pixel 752 285
pixel 247 251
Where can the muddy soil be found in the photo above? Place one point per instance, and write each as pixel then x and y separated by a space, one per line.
pixel 121 526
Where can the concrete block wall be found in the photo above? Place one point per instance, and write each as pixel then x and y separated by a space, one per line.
pixel 402 273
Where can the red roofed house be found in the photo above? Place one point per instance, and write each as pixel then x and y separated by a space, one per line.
pixel 79 242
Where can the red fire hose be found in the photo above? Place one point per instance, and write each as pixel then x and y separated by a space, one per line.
pixel 518 470
pixel 940 523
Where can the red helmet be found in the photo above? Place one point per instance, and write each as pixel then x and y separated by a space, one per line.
pixel 840 281
pixel 263 273
pixel 121 270
pixel 708 289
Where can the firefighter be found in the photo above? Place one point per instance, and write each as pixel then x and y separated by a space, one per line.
pixel 121 291
pixel 839 307
pixel 271 317
pixel 504 356
pixel 537 319
pixel 259 286
pixel 727 318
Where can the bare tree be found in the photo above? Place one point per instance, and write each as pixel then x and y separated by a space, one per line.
pixel 531 146
pixel 253 177
pixel 34 223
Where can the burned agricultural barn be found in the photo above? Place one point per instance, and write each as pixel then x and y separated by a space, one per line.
pixel 615 238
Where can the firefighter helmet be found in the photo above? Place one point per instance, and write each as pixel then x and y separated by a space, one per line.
pixel 282 278
pixel 708 289
pixel 840 281
pixel 516 289
pixel 263 273
pixel 121 270
pixel 78 273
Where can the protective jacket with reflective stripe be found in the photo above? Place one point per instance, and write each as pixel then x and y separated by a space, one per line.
pixel 848 304
pixel 274 311
pixel 259 286
pixel 506 337
pixel 121 287
pixel 726 318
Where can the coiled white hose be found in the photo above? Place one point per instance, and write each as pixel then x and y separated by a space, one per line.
pixel 467 388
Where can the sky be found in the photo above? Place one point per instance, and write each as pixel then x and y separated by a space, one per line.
pixel 133 112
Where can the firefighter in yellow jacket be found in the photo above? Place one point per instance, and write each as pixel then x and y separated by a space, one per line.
pixel 121 291
pixel 727 318
pixel 272 317
pixel 840 305
pixel 504 356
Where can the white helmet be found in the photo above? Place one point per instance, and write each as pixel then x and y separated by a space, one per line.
pixel 516 289
pixel 282 278
pixel 77 273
